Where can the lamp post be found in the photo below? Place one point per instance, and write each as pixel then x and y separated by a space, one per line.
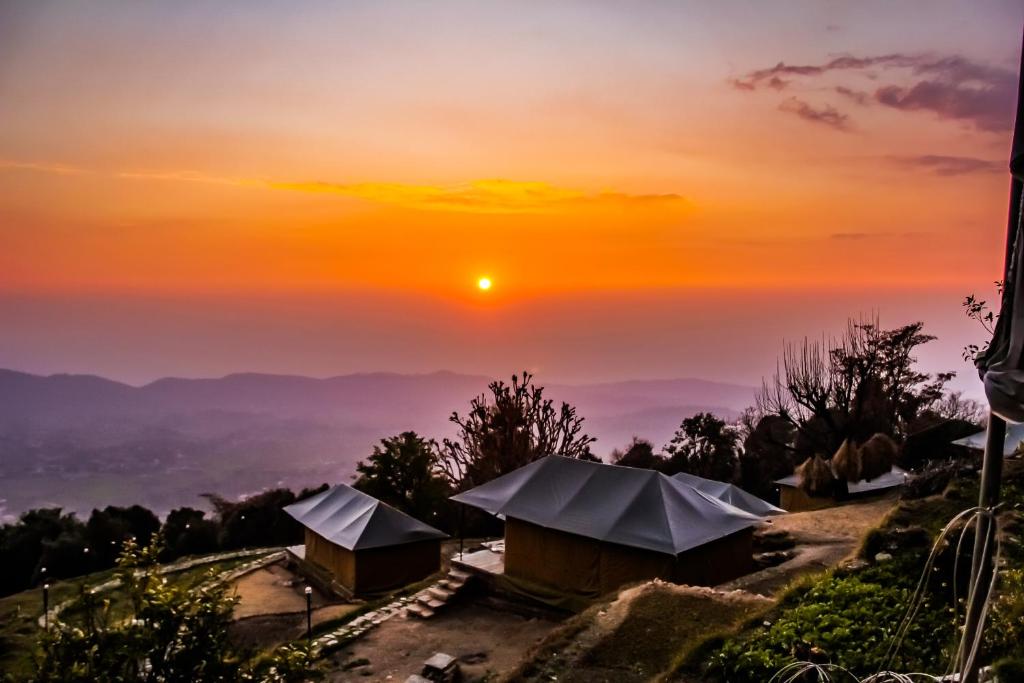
pixel 46 607
pixel 309 614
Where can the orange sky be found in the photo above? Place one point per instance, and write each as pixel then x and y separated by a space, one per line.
pixel 401 151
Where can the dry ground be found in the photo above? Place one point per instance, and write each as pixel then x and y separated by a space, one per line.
pixel 639 635
pixel 487 641
pixel 824 538
pixel 272 607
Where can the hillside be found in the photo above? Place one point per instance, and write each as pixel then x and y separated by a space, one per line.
pixel 79 441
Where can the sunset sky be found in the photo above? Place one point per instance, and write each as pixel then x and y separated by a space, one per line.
pixel 654 189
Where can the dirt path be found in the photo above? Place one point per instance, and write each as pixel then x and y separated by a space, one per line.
pixel 486 640
pixel 823 539
pixel 273 590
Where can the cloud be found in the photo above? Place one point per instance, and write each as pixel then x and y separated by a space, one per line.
pixel 952 165
pixel 482 196
pixel 477 196
pixel 859 236
pixel 949 87
pixel 760 77
pixel 859 96
pixel 42 167
pixel 827 115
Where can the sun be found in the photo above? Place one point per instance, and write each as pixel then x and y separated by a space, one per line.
pixel 484 283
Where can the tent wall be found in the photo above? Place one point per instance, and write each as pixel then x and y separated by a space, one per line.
pixel 377 569
pixel 570 562
pixel 384 569
pixel 716 562
pixel 332 557
pixel 794 499
pixel 585 566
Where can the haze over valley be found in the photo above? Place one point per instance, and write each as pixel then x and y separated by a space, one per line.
pixel 80 441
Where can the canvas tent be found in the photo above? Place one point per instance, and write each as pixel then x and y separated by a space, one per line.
pixel 793 499
pixel 586 528
pixel 366 545
pixel 731 494
pixel 1011 444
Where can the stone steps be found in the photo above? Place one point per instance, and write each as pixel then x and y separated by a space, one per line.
pixel 430 600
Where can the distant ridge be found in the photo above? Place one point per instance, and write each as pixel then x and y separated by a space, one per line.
pixel 167 441
pixel 61 397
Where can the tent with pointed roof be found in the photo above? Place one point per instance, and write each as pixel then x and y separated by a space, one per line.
pixel 587 528
pixel 731 494
pixel 366 545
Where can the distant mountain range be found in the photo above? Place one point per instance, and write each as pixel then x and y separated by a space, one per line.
pixel 80 441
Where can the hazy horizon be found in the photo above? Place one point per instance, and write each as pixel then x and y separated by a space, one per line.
pixel 652 336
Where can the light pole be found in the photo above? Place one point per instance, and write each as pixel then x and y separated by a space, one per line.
pixel 309 614
pixel 46 607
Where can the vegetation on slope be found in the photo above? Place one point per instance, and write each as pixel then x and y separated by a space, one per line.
pixel 19 613
pixel 850 616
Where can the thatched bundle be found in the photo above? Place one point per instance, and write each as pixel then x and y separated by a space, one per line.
pixel 815 476
pixel 846 463
pixel 877 456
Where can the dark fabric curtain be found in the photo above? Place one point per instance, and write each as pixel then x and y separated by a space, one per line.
pixel 1001 366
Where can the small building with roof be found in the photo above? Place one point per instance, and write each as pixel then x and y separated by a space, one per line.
pixel 586 528
pixel 792 498
pixel 731 494
pixel 365 545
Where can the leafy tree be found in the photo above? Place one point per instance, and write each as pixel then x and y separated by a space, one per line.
pixel 186 531
pixel 109 528
pixel 403 471
pixel 30 545
pixel 639 453
pixel 767 453
pixel 706 446
pixel 978 310
pixel 259 520
pixel 514 428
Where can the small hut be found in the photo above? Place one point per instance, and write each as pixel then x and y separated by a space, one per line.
pixel 793 497
pixel 585 528
pixel 365 545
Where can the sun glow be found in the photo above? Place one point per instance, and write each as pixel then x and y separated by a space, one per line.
pixel 484 283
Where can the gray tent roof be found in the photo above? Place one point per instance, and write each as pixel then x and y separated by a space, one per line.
pixel 894 477
pixel 356 521
pixel 733 495
pixel 623 505
pixel 1014 437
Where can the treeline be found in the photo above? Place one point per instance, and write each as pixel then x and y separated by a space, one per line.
pixel 862 387
pixel 48 544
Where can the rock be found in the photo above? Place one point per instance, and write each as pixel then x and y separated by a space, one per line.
pixel 883 557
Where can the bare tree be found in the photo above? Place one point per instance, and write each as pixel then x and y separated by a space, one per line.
pixel 512 427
